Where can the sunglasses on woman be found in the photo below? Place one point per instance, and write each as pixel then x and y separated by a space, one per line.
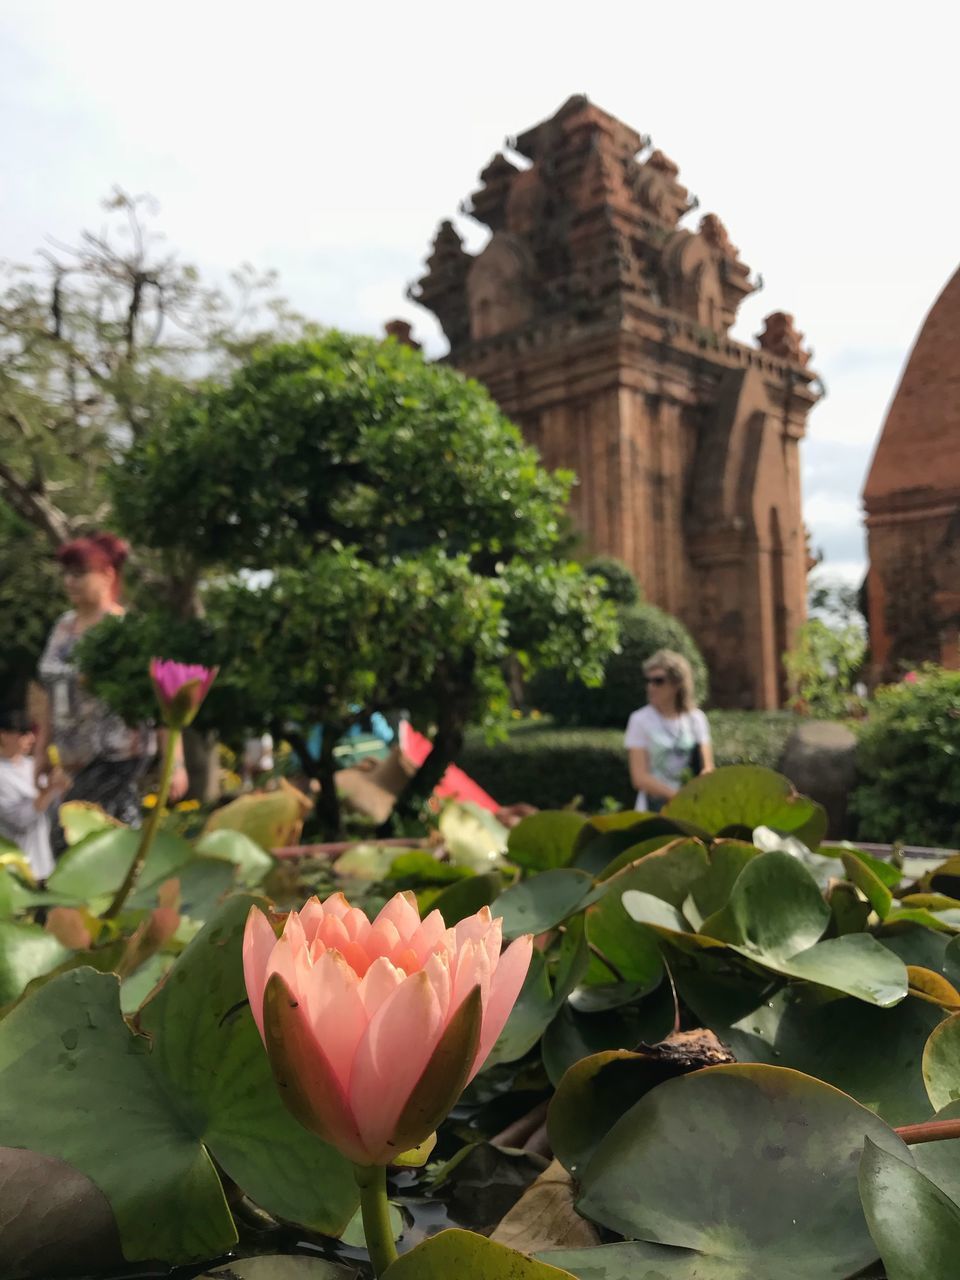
pixel 656 679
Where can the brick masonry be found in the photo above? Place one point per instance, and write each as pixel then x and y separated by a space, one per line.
pixel 601 326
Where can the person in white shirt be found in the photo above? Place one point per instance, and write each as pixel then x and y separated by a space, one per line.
pixel 24 805
pixel 668 740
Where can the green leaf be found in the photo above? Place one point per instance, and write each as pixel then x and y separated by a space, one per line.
pixel 353 1234
pixel 572 1036
pixel 26 952
pixel 774 908
pixel 951 961
pixel 748 796
pixel 544 840
pixel 542 901
pixel 208 1052
pixel 869 884
pixel 886 872
pixel 253 862
pixel 467 1256
pixel 540 997
pixel 774 916
pixel 727 859
pixel 915 1226
pixel 633 853
pixel 80 818
pixel 940 1161
pixel 204 883
pixel 592 1096
pixel 285 1266
pixel 77 1084
pixel 458 901
pixel 801 1027
pixel 641 1260
pixel 666 875
pixel 96 866
pixel 941 1063
pixel 750 1164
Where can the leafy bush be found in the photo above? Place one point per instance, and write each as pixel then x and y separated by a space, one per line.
pixel 549 766
pixel 824 667
pixel 620 585
pixel 909 762
pixel 643 630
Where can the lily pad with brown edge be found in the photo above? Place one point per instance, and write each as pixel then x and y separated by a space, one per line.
pixel 596 1091
pixel 915 1225
pixel 467 1256
pixel 736 799
pixel 811 1031
pixel 752 1165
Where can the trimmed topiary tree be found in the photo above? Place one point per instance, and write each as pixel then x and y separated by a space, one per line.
pixel 643 630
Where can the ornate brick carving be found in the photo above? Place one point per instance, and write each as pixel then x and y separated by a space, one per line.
pixel 601 324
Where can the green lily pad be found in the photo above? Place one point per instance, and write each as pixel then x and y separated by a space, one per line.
pixel 284 1266
pixel 204 883
pixel 749 1164
pixel 803 1028
pixel 96 866
pixel 80 818
pixel 76 1084
pixel 353 1233
pixel 633 853
pixel 537 904
pixel 572 1036
pixel 544 840
pixel 549 981
pixel 640 1260
pixel 940 1161
pixel 915 1226
pixel 666 921
pixel 774 908
pixel 727 859
pixel 774 916
pixel 253 862
pixel 746 796
pixel 209 1054
pixel 26 952
pixel 869 884
pixel 468 1256
pixel 951 961
pixel 466 897
pixel 941 1063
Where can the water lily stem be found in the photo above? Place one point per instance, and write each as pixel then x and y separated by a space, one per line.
pixel 150 827
pixel 375 1209
pixel 929 1131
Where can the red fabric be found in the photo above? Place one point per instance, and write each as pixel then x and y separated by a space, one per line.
pixel 455 784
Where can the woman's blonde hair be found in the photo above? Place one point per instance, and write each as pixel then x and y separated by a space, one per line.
pixel 678 671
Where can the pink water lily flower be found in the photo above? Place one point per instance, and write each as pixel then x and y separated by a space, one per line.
pixel 180 688
pixel 374 1029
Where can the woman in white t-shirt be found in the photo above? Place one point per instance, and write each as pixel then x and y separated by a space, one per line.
pixel 661 737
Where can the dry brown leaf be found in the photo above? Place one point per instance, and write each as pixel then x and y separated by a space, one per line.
pixel 544 1217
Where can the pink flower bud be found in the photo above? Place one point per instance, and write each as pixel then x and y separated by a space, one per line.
pixel 374 1030
pixel 180 689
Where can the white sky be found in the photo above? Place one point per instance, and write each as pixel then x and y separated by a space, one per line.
pixel 327 141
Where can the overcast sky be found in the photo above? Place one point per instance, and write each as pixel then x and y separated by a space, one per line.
pixel 327 141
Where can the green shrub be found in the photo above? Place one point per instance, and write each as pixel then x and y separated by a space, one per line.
pixel 643 630
pixel 619 584
pixel 909 762
pixel 550 766
pixel 824 666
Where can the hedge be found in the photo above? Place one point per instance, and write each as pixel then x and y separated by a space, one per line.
pixel 550 766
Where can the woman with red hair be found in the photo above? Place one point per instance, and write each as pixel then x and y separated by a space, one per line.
pixel 103 756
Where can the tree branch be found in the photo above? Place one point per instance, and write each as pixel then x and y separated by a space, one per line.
pixel 34 506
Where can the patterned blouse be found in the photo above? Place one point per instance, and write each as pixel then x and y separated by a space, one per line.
pixel 82 727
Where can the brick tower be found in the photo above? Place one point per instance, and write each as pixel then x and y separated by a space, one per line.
pixel 912 501
pixel 601 327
